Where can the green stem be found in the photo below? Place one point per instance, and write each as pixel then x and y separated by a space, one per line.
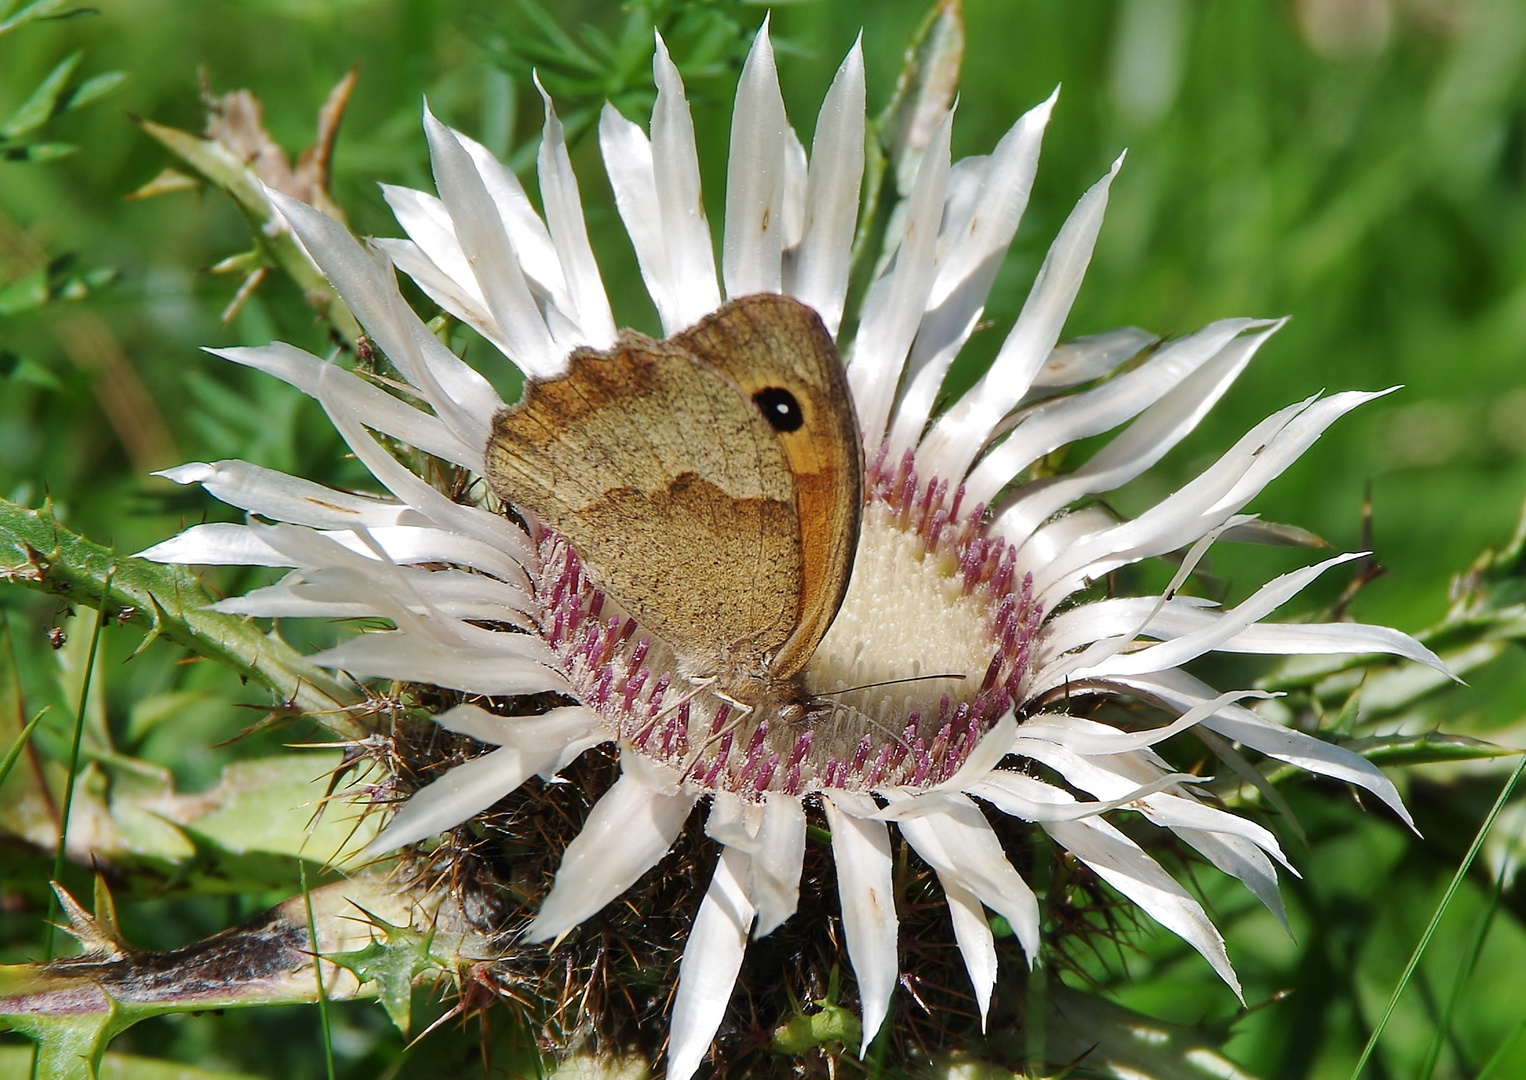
pixel 61 852
pixel 1465 969
pixel 323 1000
pixel 1499 1055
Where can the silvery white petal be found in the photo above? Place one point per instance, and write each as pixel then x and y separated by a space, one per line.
pixel 977 945
pixel 1124 865
pixel 541 736
pixel 215 545
pixel 1089 737
pixel 376 408
pixel 1189 614
pixel 960 433
pixel 1142 444
pixel 459 296
pixel 712 957
pixel 491 254
pixel 1078 416
pixel 1179 650
pixel 395 654
pixel 318 593
pixel 958 842
pixel 1089 357
pixel 428 225
pixel 368 291
pixel 1177 689
pixel 1114 777
pixel 1032 799
pixel 972 245
pixel 628 831
pixel 752 250
pixel 893 310
pixel 734 822
pixel 1001 200
pixel 792 204
pixel 1119 615
pixel 408 544
pixel 531 745
pixel 628 161
pixel 472 521
pixel 834 175
pixel 1287 639
pixel 777 862
pixel 564 218
pixel 533 247
pixel 861 850
pixel 290 498
pixel 460 794
pixel 1244 861
pixel 685 231
pixel 1173 522
pixel 1289 445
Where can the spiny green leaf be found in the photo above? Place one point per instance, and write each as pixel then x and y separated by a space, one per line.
pixel 272 805
pixel 1426 749
pixel 392 962
pixel 69 1046
pixel 42 105
pixel 36 550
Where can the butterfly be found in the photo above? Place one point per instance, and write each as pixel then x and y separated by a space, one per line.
pixel 711 484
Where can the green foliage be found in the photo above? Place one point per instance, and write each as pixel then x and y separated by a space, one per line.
pixel 587 65
pixel 1372 187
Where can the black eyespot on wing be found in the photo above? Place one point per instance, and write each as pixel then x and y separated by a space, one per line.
pixel 779 408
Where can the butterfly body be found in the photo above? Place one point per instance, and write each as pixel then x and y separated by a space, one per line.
pixel 711 484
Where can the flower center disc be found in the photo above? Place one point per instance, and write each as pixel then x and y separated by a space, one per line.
pixel 929 649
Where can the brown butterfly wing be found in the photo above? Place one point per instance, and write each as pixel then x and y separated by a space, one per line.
pixel 769 343
pixel 676 496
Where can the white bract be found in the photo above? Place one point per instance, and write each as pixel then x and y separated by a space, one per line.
pixel 964 566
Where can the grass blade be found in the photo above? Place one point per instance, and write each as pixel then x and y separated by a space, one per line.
pixel 61 852
pixel 1499 1055
pixel 1430 929
pixel 1465 969
pixel 323 1000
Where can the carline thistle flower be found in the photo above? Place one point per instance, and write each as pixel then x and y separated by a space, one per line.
pixel 965 565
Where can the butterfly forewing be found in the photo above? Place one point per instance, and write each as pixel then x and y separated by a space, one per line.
pixel 770 342
pixel 710 483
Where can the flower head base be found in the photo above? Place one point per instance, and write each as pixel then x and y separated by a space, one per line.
pixel 967 623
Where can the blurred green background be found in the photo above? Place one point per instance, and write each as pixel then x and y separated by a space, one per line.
pixel 1358 165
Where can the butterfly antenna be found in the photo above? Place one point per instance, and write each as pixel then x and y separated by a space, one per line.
pixel 891 682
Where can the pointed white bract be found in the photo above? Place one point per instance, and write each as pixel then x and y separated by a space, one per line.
pixel 963 561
